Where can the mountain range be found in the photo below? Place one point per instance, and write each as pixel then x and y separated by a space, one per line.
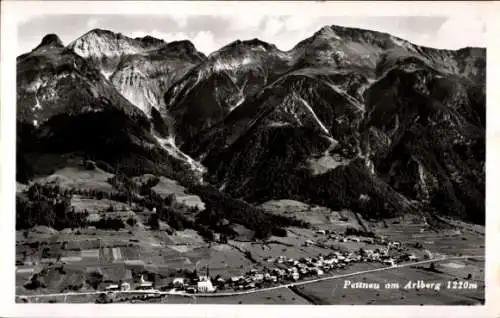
pixel 348 118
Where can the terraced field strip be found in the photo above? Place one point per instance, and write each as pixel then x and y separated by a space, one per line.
pixel 117 254
pixel 94 253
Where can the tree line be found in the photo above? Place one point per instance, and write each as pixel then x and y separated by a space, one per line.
pixel 220 206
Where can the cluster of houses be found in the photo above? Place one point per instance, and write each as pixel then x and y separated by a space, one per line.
pixel 346 238
pixel 124 286
pixel 285 269
pixel 201 284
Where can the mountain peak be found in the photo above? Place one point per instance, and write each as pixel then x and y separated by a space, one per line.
pixel 258 42
pixel 327 32
pixel 150 40
pixel 252 43
pixel 184 44
pixel 108 35
pixel 51 39
pixel 101 32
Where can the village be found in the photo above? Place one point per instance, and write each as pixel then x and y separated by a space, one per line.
pixel 279 270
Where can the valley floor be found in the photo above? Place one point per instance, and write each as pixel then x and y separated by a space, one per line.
pixel 457 256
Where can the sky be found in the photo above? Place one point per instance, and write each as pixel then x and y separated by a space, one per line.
pixel 210 32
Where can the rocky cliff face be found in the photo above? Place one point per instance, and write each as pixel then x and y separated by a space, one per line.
pixel 52 80
pixel 105 48
pixel 143 78
pixel 65 106
pixel 141 69
pixel 348 118
pixel 214 88
pixel 357 114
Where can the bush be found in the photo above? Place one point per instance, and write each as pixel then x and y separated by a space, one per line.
pixel 94 279
pixel 89 165
pixel 131 221
pixel 220 206
pixel 279 232
pixel 353 231
pixel 45 205
pixel 153 222
pixel 108 224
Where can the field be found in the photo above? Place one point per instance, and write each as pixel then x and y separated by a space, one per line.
pixel 444 241
pixel 167 186
pixel 333 292
pixel 80 203
pixel 274 297
pixel 78 178
pixel 319 217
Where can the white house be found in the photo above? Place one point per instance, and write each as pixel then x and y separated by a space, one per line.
pixel 234 279
pixel 178 282
pixel 113 287
pixel 205 286
pixel 389 261
pixel 144 284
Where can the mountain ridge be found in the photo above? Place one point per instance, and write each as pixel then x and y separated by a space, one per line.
pixel 347 118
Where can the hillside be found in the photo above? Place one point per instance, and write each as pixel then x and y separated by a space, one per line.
pixel 348 118
pixel 361 119
pixel 66 107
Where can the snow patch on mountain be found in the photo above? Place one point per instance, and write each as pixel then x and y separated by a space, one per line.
pixel 230 64
pixel 402 43
pixel 279 124
pixel 327 162
pixel 238 103
pixel 327 32
pixel 37 104
pixel 342 92
pixel 311 111
pixel 169 145
pixel 106 74
pixel 34 86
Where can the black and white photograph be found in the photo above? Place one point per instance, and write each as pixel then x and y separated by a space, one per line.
pixel 247 157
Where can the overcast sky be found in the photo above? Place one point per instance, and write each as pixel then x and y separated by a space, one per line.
pixel 210 32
